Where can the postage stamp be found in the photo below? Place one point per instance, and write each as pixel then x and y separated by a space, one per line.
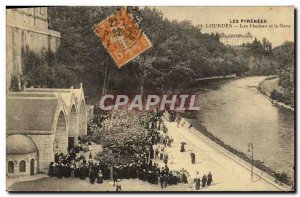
pixel 122 37
pixel 217 80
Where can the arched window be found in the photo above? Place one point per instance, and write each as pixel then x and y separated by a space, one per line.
pixel 11 167
pixel 22 166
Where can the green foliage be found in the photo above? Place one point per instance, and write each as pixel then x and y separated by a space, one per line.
pixel 180 52
pixel 260 58
pixel 285 58
pixel 121 134
pixel 284 98
pixel 45 70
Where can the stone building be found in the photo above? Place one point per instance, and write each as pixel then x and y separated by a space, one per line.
pixel 26 28
pixel 41 122
pixel 236 39
pixel 21 156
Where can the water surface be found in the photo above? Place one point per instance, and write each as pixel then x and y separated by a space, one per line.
pixel 238 114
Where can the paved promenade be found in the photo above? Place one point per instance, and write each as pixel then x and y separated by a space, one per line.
pixel 228 175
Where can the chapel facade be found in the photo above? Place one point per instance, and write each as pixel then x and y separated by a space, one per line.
pixel 42 122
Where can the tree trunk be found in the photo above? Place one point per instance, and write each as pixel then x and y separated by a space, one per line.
pixel 105 80
pixel 142 88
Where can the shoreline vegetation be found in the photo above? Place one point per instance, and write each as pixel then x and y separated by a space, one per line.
pixel 270 88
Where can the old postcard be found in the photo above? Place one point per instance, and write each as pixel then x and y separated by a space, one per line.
pixel 150 99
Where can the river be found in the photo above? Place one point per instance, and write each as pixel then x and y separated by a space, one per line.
pixel 238 114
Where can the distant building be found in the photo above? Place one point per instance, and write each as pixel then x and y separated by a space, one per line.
pixel 26 28
pixel 42 122
pixel 236 39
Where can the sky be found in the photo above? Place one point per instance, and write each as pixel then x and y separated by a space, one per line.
pixel 225 15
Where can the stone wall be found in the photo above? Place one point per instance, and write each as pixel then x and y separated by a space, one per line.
pixel 61 135
pixel 44 145
pixel 16 159
pixel 27 27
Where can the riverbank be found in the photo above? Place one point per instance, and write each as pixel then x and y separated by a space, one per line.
pixel 230 172
pixel 270 85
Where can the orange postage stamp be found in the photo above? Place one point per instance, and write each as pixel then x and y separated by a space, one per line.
pixel 122 37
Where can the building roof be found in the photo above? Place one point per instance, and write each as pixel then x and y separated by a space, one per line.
pixel 32 94
pixel 248 35
pixel 35 110
pixel 66 94
pixel 30 113
pixel 19 145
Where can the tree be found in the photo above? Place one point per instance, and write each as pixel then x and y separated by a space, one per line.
pixel 180 52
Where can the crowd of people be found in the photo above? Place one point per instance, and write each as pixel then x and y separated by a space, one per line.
pixel 73 166
pixel 149 163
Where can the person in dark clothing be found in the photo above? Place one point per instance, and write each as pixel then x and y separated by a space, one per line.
pixel 174 180
pixel 92 175
pixel 115 175
pixel 167 169
pixel 56 158
pixel 161 180
pixel 118 186
pixel 134 171
pixel 166 178
pixel 51 170
pixel 156 177
pixel 82 172
pixel 68 171
pixel 65 170
pixel 165 142
pixel 127 171
pixel 149 177
pixel 86 171
pixel 166 157
pixel 204 179
pixel 144 175
pixel 59 171
pixel 150 164
pixel 139 174
pixel 151 153
pixel 100 177
pixel 106 172
pixel 147 157
pixel 170 178
pixel 197 180
pixel 193 158
pixel 169 142
pixel 76 172
pixel 161 157
pixel 209 179
pixel 182 148
pixel 184 179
